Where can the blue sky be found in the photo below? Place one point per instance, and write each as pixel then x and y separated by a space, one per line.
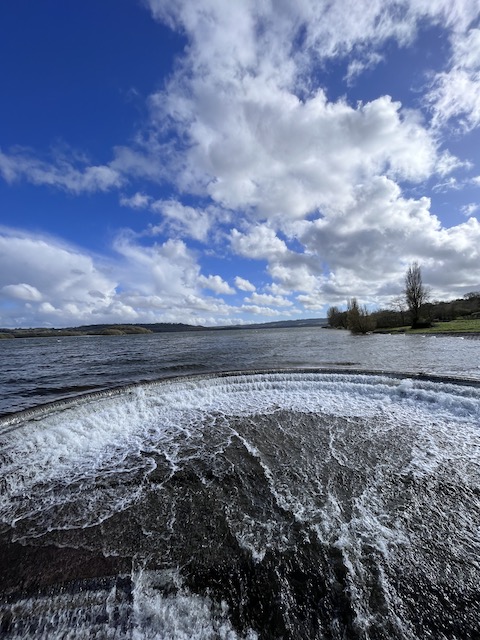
pixel 220 162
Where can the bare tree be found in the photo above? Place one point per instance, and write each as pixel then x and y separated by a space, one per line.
pixel 416 294
pixel 358 318
pixel 400 307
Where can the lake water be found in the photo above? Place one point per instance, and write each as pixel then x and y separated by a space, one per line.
pixel 329 488
pixel 36 371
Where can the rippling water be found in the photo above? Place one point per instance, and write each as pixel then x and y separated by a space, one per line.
pixel 289 504
pixel 35 371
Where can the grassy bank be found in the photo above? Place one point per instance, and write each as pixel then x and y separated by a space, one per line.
pixel 460 325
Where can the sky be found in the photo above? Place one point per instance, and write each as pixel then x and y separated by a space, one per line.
pixel 219 163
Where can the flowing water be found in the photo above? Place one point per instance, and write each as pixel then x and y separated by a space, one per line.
pixel 313 501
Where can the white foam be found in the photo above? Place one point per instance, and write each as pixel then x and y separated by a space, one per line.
pixel 78 444
pixel 181 615
pixel 368 485
pixel 152 615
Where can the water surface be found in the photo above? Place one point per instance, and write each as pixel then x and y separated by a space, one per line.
pixel 35 371
pixel 297 503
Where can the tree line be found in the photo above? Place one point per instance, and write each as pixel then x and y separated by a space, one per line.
pixel 412 307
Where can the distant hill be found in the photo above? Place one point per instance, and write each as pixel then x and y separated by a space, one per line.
pixel 281 324
pixel 170 327
pixel 159 327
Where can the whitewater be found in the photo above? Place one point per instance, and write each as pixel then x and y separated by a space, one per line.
pixel 295 503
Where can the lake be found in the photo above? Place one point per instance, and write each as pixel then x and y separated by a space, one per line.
pixel 35 371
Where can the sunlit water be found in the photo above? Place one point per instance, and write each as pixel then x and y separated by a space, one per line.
pixel 288 504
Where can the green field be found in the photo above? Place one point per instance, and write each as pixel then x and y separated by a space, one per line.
pixel 460 325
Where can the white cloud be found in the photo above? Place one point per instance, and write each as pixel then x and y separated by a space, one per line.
pixel 317 181
pixel 68 287
pixel 243 284
pixel 455 93
pixel 466 49
pixel 137 201
pixel 60 281
pixel 451 184
pixel 359 65
pixel 262 311
pixel 177 218
pixel 164 283
pixel 216 284
pixel 257 138
pixel 276 157
pixel 299 273
pixel 168 270
pixel 62 173
pixel 314 301
pixel 328 28
pixel 469 209
pixel 260 242
pixel 22 291
pixel 194 223
pixel 267 299
pixel 367 248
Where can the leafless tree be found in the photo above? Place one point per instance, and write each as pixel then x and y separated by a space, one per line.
pixel 400 307
pixel 416 294
pixel 358 318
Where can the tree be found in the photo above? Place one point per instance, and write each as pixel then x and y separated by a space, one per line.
pixel 398 304
pixel 415 293
pixel 358 318
pixel 471 295
pixel 337 318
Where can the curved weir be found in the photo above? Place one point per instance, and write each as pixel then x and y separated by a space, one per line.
pixel 293 504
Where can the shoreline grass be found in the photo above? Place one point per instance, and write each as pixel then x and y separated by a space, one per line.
pixel 458 326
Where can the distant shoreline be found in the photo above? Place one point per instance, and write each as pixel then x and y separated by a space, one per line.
pixel 148 329
pixel 124 330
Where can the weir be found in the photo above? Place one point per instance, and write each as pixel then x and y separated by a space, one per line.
pixel 294 504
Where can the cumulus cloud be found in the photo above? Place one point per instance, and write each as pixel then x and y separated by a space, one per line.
pixel 256 146
pixel 22 291
pixel 55 280
pixel 67 286
pixel 216 284
pixel 318 181
pixel 243 284
pixel 296 164
pixel 194 223
pixel 162 269
pixel 260 242
pixel 367 248
pixel 268 299
pixel 261 311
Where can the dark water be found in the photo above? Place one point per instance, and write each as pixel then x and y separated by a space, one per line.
pixel 298 504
